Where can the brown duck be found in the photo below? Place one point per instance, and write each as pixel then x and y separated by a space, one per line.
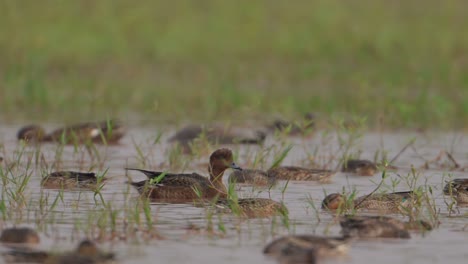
pixel 87 252
pixel 306 248
pixel 394 202
pixel 458 188
pixel 187 187
pixel 218 134
pixel 105 132
pixel 293 128
pixel 19 235
pixel 252 177
pixel 254 207
pixel 71 180
pixel 293 173
pixel 360 167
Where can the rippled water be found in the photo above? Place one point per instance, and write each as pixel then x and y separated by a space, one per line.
pixel 242 241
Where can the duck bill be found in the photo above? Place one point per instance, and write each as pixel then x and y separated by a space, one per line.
pixel 235 167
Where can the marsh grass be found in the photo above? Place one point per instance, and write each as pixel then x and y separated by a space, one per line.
pixel 229 60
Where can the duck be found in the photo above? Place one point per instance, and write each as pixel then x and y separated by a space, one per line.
pixel 359 167
pixel 187 187
pixel 71 180
pixel 105 132
pixel 252 177
pixel 19 236
pixel 294 173
pixel 293 128
pixel 25 255
pixel 217 134
pixel 253 207
pixel 394 202
pixel 373 227
pixel 306 248
pixel 458 188
pixel 86 252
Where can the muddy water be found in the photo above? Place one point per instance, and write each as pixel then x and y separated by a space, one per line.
pixel 242 242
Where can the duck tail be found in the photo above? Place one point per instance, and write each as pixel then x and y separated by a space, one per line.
pixel 149 174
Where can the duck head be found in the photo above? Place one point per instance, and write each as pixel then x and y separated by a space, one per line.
pixel 220 160
pixel 333 201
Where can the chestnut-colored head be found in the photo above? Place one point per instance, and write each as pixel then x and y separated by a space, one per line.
pixel 222 159
pixel 333 201
pixel 31 133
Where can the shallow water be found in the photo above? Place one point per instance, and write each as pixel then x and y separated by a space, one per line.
pixel 78 213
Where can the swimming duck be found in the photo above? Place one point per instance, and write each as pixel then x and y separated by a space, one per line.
pixel 25 255
pixel 183 187
pixel 19 235
pixel 254 207
pixel 253 177
pixel 396 201
pixel 218 134
pixel 87 252
pixel 300 174
pixel 360 167
pixel 459 189
pixel 293 128
pixel 373 227
pixel 105 132
pixel 306 248
pixel 71 180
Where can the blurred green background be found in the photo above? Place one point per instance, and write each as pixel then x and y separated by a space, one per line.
pixel 403 63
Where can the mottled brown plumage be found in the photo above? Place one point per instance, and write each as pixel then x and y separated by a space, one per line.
pixel 294 128
pixel 252 177
pixel 373 227
pixel 184 187
pixel 19 235
pixel 218 135
pixel 293 173
pixel 306 248
pixel 254 207
pixel 359 167
pixel 458 188
pixel 108 132
pixel 86 253
pixel 71 180
pixel 394 202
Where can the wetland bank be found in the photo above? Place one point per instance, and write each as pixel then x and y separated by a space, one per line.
pixel 386 82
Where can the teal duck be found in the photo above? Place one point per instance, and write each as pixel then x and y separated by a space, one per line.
pixel 252 177
pixel 395 202
pixel 218 135
pixel 71 180
pixel 19 235
pixel 105 132
pixel 360 167
pixel 183 187
pixel 306 248
pixel 458 188
pixel 254 207
pixel 293 173
pixel 294 128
